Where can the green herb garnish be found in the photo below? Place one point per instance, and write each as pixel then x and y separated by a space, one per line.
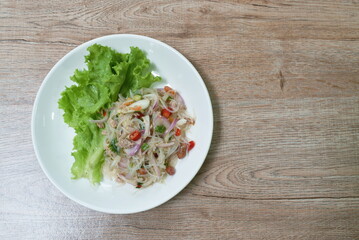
pixel 160 129
pixel 113 146
pixel 145 146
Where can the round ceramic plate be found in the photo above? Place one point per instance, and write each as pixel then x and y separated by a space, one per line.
pixel 52 138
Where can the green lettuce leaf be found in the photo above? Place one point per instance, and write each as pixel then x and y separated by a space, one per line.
pixel 138 74
pixel 88 144
pixel 108 73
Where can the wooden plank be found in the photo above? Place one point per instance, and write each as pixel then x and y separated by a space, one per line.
pixel 284 149
pixel 186 217
pixel 306 71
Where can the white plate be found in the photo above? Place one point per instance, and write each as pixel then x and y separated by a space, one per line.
pixel 52 138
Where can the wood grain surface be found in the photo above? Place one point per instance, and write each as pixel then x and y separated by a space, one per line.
pixel 283 77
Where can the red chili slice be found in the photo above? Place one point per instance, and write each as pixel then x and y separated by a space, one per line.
pixel 166 113
pixel 191 145
pixel 135 135
pixel 178 132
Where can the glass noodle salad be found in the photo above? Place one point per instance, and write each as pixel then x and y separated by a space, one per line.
pixel 124 129
pixel 145 135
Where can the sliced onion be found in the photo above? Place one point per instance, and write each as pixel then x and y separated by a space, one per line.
pixel 160 120
pixel 173 124
pixel 180 99
pixel 155 104
pixel 123 163
pixel 129 176
pixel 174 105
pixel 134 150
pixel 173 109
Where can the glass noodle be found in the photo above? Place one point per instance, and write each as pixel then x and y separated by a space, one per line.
pixel 145 135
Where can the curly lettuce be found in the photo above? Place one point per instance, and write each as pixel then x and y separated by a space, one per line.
pixel 108 74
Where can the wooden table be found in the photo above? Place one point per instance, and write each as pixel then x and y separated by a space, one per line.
pixel 284 82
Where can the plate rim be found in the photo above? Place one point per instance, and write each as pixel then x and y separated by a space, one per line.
pixel 35 109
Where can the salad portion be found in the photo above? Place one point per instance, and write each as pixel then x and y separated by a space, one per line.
pixel 124 128
pixel 145 135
